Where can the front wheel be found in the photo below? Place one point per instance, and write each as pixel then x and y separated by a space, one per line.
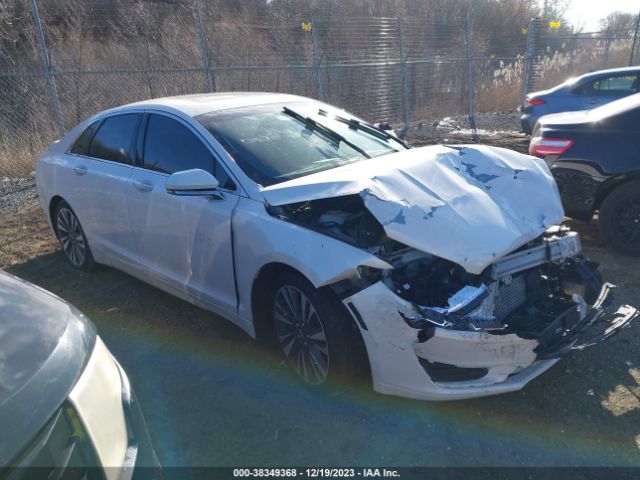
pixel 314 333
pixel 72 238
pixel 619 219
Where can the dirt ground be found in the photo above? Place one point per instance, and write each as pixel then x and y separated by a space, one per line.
pixel 212 397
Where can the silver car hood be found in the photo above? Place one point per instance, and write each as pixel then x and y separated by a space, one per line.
pixel 471 204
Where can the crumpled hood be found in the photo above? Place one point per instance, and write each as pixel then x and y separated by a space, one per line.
pixel 470 204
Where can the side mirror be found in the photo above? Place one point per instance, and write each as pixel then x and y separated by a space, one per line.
pixel 194 182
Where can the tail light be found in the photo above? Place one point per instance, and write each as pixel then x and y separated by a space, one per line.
pixel 534 101
pixel 541 147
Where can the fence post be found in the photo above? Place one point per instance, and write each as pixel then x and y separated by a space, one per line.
pixel 55 100
pixel 634 45
pixel 533 42
pixel 208 73
pixel 607 47
pixel 316 60
pixel 405 79
pixel 471 104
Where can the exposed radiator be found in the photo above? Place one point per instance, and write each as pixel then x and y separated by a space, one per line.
pixel 511 294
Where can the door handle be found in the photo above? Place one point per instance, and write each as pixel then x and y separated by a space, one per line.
pixel 592 101
pixel 80 170
pixel 143 185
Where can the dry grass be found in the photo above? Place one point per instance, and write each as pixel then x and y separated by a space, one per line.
pixel 16 163
pixel 498 88
pixel 557 67
pixel 28 126
pixel 25 235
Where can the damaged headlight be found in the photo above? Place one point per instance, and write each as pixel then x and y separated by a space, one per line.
pixel 458 314
pixel 521 293
pixel 365 277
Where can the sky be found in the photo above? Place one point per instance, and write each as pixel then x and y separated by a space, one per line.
pixel 589 12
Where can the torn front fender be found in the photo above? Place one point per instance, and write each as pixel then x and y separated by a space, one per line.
pixel 470 205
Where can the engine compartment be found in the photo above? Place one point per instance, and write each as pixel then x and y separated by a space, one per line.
pixel 500 299
pixel 344 218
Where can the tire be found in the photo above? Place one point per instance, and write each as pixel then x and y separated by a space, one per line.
pixel 72 238
pixel 619 219
pixel 320 347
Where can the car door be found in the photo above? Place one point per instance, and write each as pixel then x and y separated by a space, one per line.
pixel 183 242
pixel 607 89
pixel 102 162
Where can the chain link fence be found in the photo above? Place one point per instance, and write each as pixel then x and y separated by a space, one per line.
pixel 556 56
pixel 78 58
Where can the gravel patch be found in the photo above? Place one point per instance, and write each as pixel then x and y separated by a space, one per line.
pixel 491 123
pixel 18 193
pixel 500 129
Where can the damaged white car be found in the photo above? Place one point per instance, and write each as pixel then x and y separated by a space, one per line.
pixel 444 271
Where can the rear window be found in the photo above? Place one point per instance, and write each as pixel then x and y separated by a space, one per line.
pixel 614 85
pixel 114 138
pixel 81 145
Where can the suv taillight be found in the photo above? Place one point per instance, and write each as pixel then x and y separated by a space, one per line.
pixel 534 101
pixel 541 147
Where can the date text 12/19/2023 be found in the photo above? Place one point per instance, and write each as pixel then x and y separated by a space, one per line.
pixel 315 473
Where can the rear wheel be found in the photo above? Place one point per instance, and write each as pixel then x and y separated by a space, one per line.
pixel 314 333
pixel 72 238
pixel 619 219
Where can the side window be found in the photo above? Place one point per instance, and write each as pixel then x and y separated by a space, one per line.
pixel 114 137
pixel 171 147
pixel 615 85
pixel 80 147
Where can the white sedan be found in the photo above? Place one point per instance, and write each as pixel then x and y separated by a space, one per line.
pixel 443 272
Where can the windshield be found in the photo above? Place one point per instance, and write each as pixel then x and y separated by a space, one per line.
pixel 275 143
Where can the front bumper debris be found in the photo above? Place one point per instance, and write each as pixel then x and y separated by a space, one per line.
pixel 402 356
pixel 573 330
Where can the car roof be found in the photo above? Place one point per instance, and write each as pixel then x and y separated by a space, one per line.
pixel 609 71
pixel 198 104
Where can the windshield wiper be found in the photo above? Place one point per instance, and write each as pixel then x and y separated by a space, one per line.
pixel 369 128
pixel 327 132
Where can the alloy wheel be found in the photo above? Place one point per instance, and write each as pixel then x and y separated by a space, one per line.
pixel 301 335
pixel 71 237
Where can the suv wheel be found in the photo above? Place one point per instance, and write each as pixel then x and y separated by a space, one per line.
pixel 619 219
